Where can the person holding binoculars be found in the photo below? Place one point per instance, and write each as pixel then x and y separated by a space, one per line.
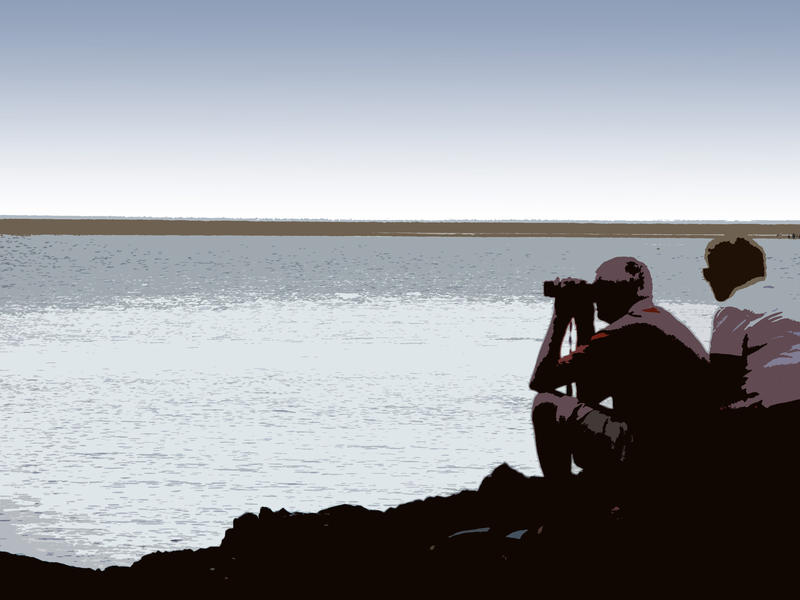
pixel 651 366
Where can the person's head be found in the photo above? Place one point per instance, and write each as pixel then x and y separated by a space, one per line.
pixel 733 264
pixel 619 284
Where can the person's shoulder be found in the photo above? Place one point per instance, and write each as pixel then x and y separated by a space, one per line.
pixel 644 314
pixel 658 319
pixel 658 325
pixel 732 317
pixel 632 324
pixel 772 327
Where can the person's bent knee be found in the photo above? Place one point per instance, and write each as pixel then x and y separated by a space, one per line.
pixel 545 402
pixel 554 406
pixel 545 406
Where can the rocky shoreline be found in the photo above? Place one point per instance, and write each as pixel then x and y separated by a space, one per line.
pixel 425 542
pixel 513 533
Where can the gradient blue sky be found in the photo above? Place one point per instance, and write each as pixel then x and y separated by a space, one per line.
pixel 389 110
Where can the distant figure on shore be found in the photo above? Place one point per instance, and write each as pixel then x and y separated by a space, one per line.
pixel 649 363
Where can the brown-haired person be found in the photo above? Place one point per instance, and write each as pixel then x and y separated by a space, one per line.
pixel 755 347
pixel 651 366
pixel 755 360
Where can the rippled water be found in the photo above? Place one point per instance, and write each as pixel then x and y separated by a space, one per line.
pixel 154 388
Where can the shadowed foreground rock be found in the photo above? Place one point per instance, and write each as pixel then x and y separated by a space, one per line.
pixel 513 533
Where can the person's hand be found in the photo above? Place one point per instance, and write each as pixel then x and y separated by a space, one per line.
pixel 573 299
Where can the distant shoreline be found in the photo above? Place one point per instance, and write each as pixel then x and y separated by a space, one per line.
pixel 67 226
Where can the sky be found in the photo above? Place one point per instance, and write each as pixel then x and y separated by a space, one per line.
pixel 401 110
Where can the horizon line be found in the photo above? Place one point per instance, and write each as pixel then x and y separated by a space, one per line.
pixel 24 226
pixel 375 220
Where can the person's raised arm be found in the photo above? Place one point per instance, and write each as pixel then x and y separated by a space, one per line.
pixel 549 372
pixel 544 377
pixel 584 322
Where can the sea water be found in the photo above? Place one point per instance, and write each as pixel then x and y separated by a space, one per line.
pixel 154 388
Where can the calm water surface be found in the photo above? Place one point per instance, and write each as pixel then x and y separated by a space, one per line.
pixel 154 388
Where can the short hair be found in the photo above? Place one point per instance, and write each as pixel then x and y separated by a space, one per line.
pixel 736 262
pixel 628 269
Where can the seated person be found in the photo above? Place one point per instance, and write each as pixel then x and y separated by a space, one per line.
pixel 755 348
pixel 649 363
pixel 755 361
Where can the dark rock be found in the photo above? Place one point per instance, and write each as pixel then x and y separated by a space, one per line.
pixel 245 533
pixel 503 480
pixel 454 545
pixel 26 576
pixel 512 499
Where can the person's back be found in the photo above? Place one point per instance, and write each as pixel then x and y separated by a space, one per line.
pixel 655 370
pixel 656 360
pixel 755 357
pixel 767 346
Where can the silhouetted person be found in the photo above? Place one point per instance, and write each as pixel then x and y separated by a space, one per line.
pixel 650 365
pixel 755 359
pixel 755 348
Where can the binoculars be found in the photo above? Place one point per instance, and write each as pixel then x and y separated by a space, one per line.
pixel 579 288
